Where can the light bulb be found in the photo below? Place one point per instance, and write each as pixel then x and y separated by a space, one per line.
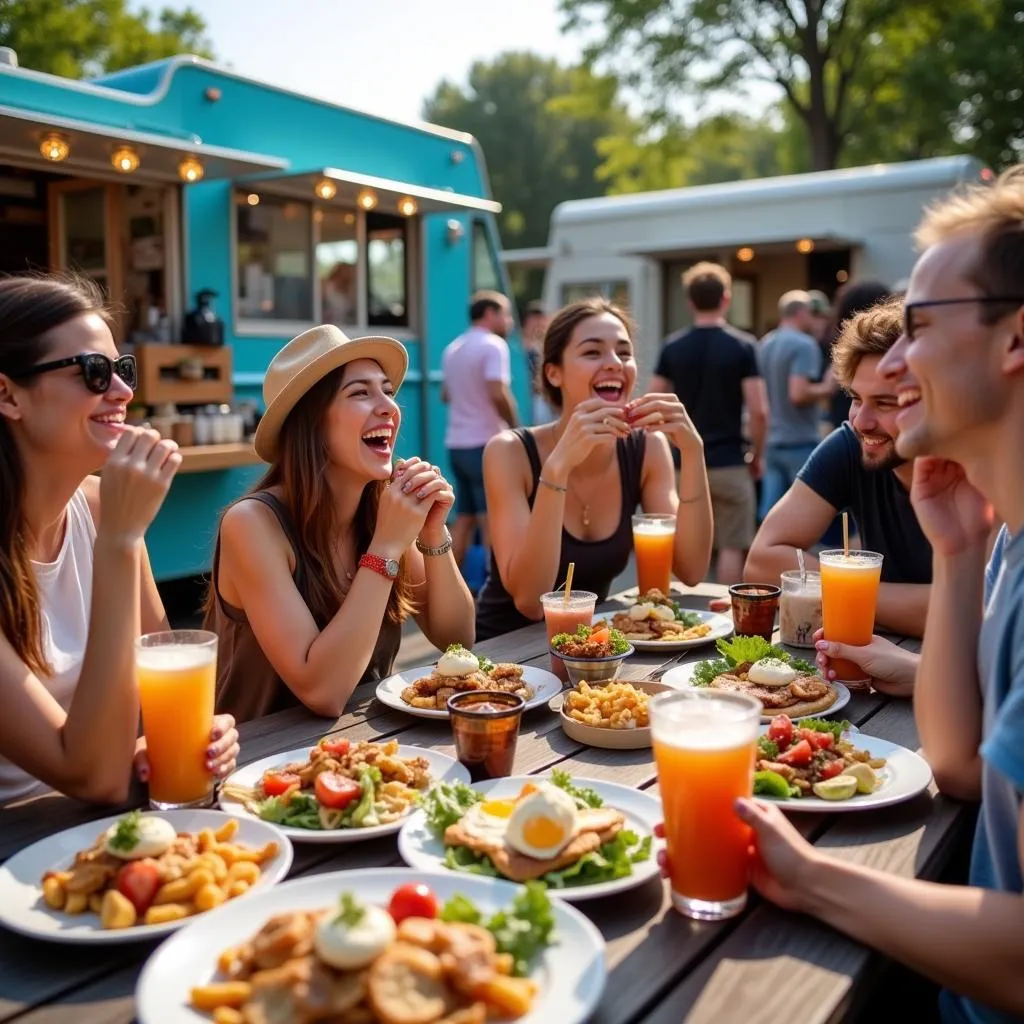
pixel 54 147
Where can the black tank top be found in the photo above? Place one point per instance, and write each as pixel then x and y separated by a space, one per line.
pixel 598 562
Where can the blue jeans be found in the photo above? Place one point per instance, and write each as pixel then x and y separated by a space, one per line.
pixel 781 465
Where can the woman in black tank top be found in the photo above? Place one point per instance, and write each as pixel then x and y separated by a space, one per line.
pixel 566 492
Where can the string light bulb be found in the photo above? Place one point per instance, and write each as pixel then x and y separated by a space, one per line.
pixel 252 199
pixel 805 245
pixel 326 189
pixel 125 159
pixel 407 206
pixel 54 147
pixel 745 255
pixel 190 170
pixel 367 199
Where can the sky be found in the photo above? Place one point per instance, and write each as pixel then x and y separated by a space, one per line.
pixel 384 56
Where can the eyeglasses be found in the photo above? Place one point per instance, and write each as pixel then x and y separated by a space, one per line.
pixel 908 310
pixel 97 370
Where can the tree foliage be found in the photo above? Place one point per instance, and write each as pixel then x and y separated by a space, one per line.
pixel 83 38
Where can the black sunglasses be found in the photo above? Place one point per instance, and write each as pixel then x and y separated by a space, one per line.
pixel 97 369
pixel 908 310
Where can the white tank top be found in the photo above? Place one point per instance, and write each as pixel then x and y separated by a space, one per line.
pixel 65 594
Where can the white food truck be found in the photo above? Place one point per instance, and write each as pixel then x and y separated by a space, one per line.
pixel 815 230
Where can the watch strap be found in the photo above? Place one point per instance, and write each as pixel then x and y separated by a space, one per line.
pixel 441 549
pixel 386 567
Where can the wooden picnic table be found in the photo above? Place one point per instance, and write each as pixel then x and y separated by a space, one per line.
pixel 663 968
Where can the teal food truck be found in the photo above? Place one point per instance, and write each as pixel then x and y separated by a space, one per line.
pixel 232 215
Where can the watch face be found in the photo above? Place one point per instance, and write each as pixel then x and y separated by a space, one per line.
pixel 391 567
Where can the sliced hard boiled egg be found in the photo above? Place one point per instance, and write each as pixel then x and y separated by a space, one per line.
pixel 641 611
pixel 347 946
pixel 771 672
pixel 136 836
pixel 542 823
pixel 663 612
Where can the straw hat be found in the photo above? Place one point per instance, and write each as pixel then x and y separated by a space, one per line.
pixel 309 358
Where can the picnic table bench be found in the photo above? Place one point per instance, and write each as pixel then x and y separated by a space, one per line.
pixel 663 967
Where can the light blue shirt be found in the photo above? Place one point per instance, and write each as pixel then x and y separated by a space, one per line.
pixel 782 354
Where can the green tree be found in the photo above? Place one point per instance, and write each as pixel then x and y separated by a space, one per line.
pixel 539 125
pixel 814 51
pixel 82 38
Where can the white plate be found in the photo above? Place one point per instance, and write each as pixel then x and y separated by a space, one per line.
pixel 21 897
pixel 571 972
pixel 682 676
pixel 904 776
pixel 420 849
pixel 442 768
pixel 721 627
pixel 544 684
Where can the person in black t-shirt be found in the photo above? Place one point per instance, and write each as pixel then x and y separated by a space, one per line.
pixel 712 367
pixel 856 468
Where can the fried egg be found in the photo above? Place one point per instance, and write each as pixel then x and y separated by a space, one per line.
pixel 542 822
pixel 488 821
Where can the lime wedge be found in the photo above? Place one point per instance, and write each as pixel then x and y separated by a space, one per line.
pixel 842 787
pixel 867 780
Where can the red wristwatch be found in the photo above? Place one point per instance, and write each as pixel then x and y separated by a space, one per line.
pixel 386 567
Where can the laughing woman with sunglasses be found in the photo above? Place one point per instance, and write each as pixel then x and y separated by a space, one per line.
pixel 76 587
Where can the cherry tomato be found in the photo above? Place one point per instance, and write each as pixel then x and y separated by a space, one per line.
pixel 798 756
pixel 337 747
pixel 818 740
pixel 138 881
pixel 830 769
pixel 276 783
pixel 781 730
pixel 335 790
pixel 413 899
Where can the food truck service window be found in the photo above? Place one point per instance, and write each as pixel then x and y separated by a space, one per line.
pixel 301 263
pixel 616 292
pixel 486 276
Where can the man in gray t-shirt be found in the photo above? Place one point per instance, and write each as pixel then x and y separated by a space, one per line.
pixel 791 364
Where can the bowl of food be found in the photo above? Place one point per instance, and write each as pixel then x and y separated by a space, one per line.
pixel 612 715
pixel 592 654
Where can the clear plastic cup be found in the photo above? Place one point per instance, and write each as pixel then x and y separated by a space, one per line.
pixel 563 617
pixel 799 608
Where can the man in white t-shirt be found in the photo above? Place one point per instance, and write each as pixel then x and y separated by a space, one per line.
pixel 477 379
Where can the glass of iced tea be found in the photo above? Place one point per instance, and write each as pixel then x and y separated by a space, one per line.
pixel 485 724
pixel 849 593
pixel 799 608
pixel 753 608
pixel 176 672
pixel 561 616
pixel 654 537
pixel 705 743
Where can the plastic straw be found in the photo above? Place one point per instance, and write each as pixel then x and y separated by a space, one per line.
pixel 801 565
pixel 846 535
pixel 568 583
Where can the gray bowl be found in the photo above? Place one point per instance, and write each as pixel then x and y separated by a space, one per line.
pixel 593 670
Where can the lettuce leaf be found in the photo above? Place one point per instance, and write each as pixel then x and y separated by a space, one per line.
pixel 584 797
pixel 446 803
pixel 302 811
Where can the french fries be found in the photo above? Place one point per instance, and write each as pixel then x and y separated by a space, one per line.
pixel 198 873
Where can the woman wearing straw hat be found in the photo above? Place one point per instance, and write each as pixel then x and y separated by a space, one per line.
pixel 319 565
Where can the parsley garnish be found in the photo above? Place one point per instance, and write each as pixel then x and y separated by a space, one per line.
pixel 351 912
pixel 126 837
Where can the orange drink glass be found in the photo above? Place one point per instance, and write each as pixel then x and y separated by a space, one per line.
pixel 654 537
pixel 849 593
pixel 176 673
pixel 705 743
pixel 560 617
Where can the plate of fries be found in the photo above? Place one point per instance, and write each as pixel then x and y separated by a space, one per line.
pixel 64 888
pixel 612 715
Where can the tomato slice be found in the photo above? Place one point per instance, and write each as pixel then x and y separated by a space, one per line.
pixel 276 783
pixel 138 881
pixel 818 740
pixel 781 730
pixel 335 790
pixel 600 636
pixel 338 747
pixel 830 769
pixel 414 899
pixel 798 756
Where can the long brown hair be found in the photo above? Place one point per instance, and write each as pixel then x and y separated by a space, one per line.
pixel 300 472
pixel 563 323
pixel 30 307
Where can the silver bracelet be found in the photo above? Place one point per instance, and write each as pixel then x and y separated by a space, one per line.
pixel 441 549
pixel 554 487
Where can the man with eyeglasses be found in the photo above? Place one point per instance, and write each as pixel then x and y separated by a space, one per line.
pixel 958 371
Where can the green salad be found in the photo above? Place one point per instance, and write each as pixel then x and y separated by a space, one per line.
pixel 449 802
pixel 743 650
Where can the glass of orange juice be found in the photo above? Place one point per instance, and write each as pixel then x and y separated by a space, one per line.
pixel 654 537
pixel 176 672
pixel 849 593
pixel 563 616
pixel 704 748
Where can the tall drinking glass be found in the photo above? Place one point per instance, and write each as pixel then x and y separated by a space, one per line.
pixel 849 593
pixel 654 537
pixel 705 743
pixel 563 617
pixel 177 674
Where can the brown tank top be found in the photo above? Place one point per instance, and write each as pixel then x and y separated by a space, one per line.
pixel 247 684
